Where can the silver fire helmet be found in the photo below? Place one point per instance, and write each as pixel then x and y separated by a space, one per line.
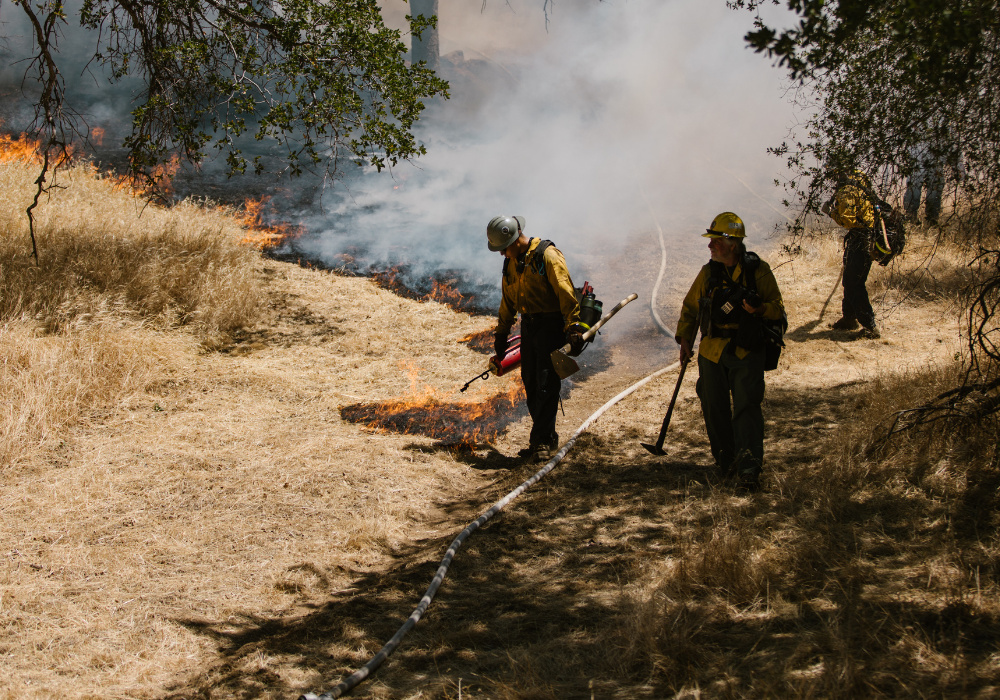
pixel 502 231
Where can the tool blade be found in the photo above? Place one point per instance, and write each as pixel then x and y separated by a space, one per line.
pixel 653 449
pixel 564 365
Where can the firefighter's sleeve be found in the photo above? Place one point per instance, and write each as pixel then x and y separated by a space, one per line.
pixel 767 287
pixel 562 285
pixel 687 325
pixel 508 311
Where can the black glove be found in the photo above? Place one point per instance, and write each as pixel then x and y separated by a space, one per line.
pixel 576 343
pixel 500 345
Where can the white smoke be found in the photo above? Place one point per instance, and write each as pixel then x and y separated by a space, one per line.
pixel 573 126
pixel 614 101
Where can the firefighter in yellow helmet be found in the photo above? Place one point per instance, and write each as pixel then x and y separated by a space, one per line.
pixel 851 207
pixel 537 285
pixel 730 297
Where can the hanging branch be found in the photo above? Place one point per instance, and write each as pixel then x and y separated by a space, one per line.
pixel 983 310
pixel 52 119
pixel 970 401
pixel 325 81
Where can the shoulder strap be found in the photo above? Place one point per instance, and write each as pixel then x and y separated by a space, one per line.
pixel 716 275
pixel 506 261
pixel 538 258
pixel 751 261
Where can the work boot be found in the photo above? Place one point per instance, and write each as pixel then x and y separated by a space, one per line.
pixel 724 473
pixel 870 333
pixel 546 451
pixel 748 480
pixel 846 323
pixel 528 451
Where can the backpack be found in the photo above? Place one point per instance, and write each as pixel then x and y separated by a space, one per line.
pixel 754 333
pixel 888 238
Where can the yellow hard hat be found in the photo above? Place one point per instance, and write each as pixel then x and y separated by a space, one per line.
pixel 726 225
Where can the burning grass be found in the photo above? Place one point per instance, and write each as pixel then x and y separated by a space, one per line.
pixel 21 150
pixel 482 341
pixel 442 288
pixel 261 234
pixel 465 424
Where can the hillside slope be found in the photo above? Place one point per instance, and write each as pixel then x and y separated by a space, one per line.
pixel 220 531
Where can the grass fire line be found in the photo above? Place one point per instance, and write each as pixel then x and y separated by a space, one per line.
pixel 362 673
pixel 465 425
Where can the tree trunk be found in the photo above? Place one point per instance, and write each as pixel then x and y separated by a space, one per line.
pixel 426 48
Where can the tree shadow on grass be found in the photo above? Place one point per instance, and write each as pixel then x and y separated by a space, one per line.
pixel 572 585
pixel 527 575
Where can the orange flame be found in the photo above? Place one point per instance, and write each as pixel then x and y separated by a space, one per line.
pixel 29 151
pixel 427 393
pixel 261 235
pixel 22 150
pixel 97 135
pixel 159 179
pixel 162 175
pixel 482 341
pixel 442 292
pixel 464 424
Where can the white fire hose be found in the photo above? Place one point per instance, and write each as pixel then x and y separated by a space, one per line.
pixel 355 678
pixel 362 673
pixel 659 278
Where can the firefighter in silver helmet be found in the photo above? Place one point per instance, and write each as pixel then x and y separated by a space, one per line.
pixel 728 298
pixel 537 285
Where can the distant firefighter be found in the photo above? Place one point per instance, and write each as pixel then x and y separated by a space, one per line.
pixel 927 176
pixel 736 303
pixel 851 206
pixel 536 284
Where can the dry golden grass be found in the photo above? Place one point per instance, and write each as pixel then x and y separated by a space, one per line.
pixel 49 382
pixel 201 522
pixel 102 251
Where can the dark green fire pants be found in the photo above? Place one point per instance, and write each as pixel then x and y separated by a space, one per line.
pixel 736 433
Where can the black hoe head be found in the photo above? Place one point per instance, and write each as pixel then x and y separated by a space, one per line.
pixel 653 449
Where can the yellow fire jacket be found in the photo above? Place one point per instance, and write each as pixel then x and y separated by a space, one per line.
pixel 527 292
pixel 711 348
pixel 851 208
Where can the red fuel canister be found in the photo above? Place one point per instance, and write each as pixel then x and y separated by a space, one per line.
pixel 511 360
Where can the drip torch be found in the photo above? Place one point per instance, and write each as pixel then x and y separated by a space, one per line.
pixel 511 361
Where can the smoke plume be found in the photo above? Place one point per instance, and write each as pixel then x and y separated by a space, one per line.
pixel 574 126
pixel 589 121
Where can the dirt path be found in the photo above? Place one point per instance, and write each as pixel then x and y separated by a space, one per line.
pixel 230 535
